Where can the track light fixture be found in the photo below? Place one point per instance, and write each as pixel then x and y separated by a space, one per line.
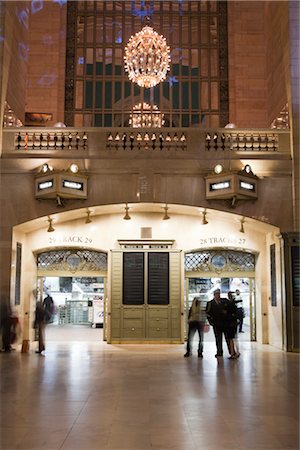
pixel 50 227
pixel 88 216
pixel 242 221
pixel 204 221
pixel 166 216
pixel 127 216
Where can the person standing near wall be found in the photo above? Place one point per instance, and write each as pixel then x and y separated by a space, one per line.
pixel 196 319
pixel 240 309
pixel 41 319
pixel 216 311
pixel 232 322
pixel 48 304
pixel 5 326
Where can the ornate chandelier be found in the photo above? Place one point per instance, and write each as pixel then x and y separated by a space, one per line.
pixel 144 115
pixel 147 58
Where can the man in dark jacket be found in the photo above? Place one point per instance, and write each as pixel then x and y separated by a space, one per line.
pixel 217 316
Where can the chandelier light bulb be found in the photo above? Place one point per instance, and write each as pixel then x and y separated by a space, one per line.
pixel 147 58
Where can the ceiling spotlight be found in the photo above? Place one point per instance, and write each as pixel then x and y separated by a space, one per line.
pixel 242 221
pixel 88 216
pixel 127 216
pixel 204 221
pixel 218 168
pixel 74 168
pixel 166 216
pixel 50 227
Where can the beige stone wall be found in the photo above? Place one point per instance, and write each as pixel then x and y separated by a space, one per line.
pixel 14 20
pixel 247 53
pixel 46 63
pixel 278 70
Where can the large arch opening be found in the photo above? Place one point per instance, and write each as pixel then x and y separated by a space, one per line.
pixel 188 235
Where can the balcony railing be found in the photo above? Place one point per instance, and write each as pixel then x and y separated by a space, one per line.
pixel 31 141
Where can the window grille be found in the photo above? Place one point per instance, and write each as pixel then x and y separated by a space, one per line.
pixel 219 261
pixel 72 260
pixel 98 91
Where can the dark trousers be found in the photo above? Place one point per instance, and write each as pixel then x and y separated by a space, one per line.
pixel 240 312
pixel 218 331
pixel 6 334
pixel 193 327
pixel 41 331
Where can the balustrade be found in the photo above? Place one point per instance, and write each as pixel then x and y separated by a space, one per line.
pixel 146 141
pixel 50 140
pixel 242 141
pixel 118 139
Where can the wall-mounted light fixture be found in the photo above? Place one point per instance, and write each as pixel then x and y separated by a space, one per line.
pixel 74 168
pixel 88 216
pixel 204 220
pixel 50 226
pixel 218 168
pixel 46 168
pixel 127 216
pixel 166 216
pixel 242 221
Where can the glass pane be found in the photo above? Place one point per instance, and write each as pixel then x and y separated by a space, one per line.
pixel 175 93
pixel 108 61
pixel 99 61
pixel 185 29
pixel 204 63
pixel 204 31
pixel 185 95
pixel 185 120
pixel 88 94
pixel 195 95
pixel 89 61
pixel 108 29
pixel 80 62
pixel 88 120
pixel 118 91
pixel 99 30
pixel 98 94
pixel 204 96
pixel 78 120
pixel 118 61
pixel 108 95
pixel 90 29
pixel 194 62
pixel 214 96
pixel 80 30
pixel 185 62
pixel 214 62
pixel 79 95
pixel 166 90
pixel 194 30
pixel 107 120
pixel 118 30
pixel 98 120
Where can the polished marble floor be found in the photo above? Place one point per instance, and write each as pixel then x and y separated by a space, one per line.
pixel 86 394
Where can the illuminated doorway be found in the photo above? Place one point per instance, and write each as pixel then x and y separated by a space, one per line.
pixel 76 279
pixel 227 270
